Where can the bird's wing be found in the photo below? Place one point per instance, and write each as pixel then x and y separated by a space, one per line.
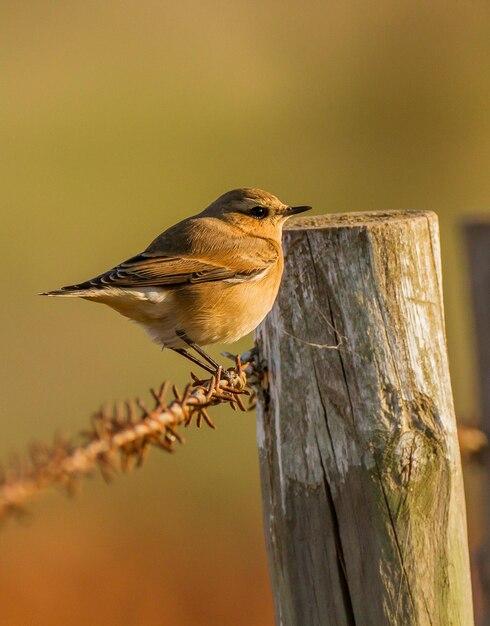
pixel 144 271
pixel 187 253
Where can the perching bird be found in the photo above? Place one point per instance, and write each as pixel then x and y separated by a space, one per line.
pixel 211 278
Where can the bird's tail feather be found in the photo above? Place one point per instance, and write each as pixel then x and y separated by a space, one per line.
pixel 69 292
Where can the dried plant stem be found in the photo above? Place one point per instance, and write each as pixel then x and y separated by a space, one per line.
pixel 120 439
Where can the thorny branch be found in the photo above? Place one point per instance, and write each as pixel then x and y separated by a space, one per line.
pixel 121 438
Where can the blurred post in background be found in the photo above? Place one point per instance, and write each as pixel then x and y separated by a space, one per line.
pixel 477 235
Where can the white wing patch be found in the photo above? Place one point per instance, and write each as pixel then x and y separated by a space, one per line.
pixel 247 279
pixel 151 294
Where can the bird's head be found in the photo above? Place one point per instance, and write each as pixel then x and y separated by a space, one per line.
pixel 253 211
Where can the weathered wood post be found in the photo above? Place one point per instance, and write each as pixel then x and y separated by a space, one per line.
pixel 477 234
pixel 361 479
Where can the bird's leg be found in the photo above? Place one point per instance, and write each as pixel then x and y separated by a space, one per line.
pixel 203 354
pixel 194 359
pixel 198 349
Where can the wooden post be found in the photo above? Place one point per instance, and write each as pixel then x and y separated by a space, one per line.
pixel 361 479
pixel 477 234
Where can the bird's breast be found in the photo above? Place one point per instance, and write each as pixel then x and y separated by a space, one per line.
pixel 224 311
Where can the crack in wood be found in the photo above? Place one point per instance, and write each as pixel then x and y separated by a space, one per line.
pixel 341 567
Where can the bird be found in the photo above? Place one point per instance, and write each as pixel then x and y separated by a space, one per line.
pixel 211 278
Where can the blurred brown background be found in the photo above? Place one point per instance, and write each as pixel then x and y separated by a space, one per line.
pixel 116 120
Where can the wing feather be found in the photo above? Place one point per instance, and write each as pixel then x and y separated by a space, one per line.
pixel 142 271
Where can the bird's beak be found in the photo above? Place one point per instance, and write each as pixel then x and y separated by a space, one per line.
pixel 294 210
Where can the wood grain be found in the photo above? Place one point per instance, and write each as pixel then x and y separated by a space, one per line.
pixel 362 492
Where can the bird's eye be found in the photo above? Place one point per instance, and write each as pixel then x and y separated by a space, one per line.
pixel 259 212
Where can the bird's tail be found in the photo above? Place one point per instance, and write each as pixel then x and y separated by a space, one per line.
pixel 72 291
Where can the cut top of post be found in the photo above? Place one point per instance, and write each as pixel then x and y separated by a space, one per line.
pixel 364 218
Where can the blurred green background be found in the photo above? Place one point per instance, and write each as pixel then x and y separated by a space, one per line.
pixel 116 120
